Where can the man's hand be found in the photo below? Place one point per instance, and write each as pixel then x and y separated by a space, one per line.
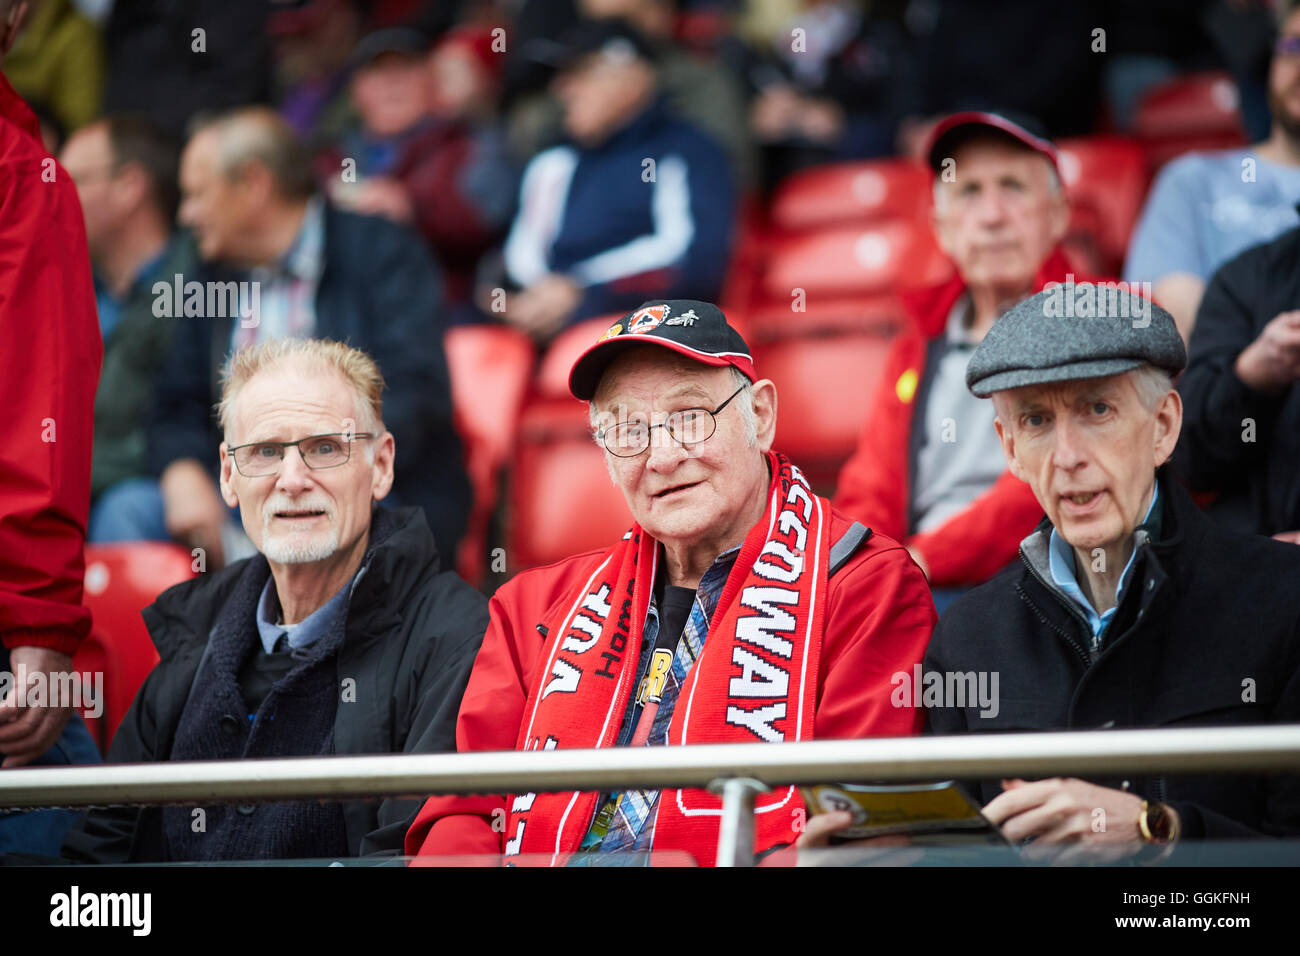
pixel 919 558
pixel 27 732
pixel 380 196
pixel 1069 820
pixel 542 308
pixel 1272 361
pixel 821 826
pixel 1290 537
pixel 193 511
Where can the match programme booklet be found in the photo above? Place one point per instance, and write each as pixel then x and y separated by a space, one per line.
pixel 939 813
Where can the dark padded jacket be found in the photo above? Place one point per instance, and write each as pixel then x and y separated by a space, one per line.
pixel 1207 633
pixel 412 633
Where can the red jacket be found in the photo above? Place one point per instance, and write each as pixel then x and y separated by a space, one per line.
pixel 878 623
pixel 51 349
pixel 875 484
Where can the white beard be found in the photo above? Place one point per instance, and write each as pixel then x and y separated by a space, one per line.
pixel 288 549
pixel 282 551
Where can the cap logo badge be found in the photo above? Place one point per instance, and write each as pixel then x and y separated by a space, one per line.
pixel 687 318
pixel 612 331
pixel 643 320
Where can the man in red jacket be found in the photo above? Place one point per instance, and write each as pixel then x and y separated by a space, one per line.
pixel 739 608
pixel 50 342
pixel 928 469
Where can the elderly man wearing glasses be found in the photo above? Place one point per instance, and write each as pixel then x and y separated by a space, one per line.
pixel 739 608
pixel 344 635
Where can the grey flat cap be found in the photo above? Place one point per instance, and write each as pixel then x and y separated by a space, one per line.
pixel 1071 331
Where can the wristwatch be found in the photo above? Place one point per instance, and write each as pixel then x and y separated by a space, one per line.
pixel 1157 823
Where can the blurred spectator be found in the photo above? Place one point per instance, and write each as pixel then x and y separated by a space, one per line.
pixel 427 152
pixel 928 469
pixel 1206 207
pixel 125 171
pixel 59 62
pixel 311 43
pixel 1241 433
pixel 51 348
pixel 311 270
pixel 1027 56
pixel 172 60
pixel 640 205
pixel 825 88
pixel 534 41
pixel 698 89
pixel 339 590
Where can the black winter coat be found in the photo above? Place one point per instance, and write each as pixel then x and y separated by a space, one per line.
pixel 1257 476
pixel 1208 620
pixel 412 633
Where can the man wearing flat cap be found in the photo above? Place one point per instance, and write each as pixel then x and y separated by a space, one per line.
pixel 740 607
pixel 1128 608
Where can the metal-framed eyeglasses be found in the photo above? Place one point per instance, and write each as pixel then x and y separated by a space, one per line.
pixel 262 458
pixel 688 426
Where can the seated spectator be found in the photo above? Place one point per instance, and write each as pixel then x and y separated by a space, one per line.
pixel 640 204
pixel 825 88
pixel 698 89
pixel 50 342
pixel 311 43
pixel 1131 609
pixel 427 152
pixel 125 171
pixel 1242 392
pixel 1204 208
pixel 343 594
pixel 684 608
pixel 928 470
pixel 315 270
pixel 59 61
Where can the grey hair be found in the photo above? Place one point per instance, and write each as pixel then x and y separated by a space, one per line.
pixel 744 401
pixel 1151 383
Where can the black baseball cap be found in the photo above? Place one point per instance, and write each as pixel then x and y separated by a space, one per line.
pixel 697 330
pixel 953 130
pixel 612 36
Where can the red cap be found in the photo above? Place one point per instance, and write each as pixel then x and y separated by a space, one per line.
pixel 944 136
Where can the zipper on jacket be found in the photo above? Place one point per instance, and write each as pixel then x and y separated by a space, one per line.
pixel 1073 611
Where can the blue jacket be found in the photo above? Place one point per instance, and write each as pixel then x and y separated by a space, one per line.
pixel 380 291
pixel 625 229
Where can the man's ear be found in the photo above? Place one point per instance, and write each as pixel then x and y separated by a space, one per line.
pixel 381 474
pixel 1008 440
pixel 1059 213
pixel 1168 425
pixel 227 477
pixel 939 226
pixel 765 413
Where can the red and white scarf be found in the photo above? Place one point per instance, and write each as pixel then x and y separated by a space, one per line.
pixel 756 679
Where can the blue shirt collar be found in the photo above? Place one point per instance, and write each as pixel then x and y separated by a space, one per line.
pixel 1061 563
pixel 311 628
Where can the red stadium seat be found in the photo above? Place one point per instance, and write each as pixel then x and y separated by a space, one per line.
pixel 1196 111
pixel 562 501
pixel 121 580
pixel 1106 178
pixel 553 375
pixel 490 370
pixel 824 386
pixel 854 261
pixel 873 314
pixel 852 193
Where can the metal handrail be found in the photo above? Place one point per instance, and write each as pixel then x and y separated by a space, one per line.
pixel 975 756
pixel 987 756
